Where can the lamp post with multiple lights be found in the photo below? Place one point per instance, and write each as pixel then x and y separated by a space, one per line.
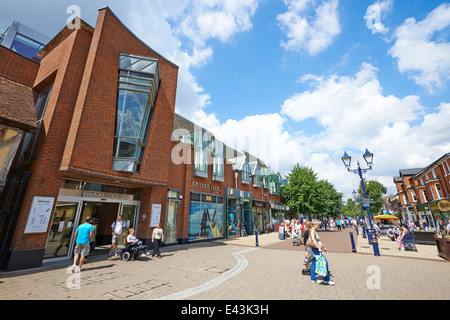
pixel 346 159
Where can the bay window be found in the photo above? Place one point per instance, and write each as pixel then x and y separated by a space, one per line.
pixel 138 84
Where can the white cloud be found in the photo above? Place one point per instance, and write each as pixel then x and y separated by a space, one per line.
pixel 353 110
pixel 350 109
pixel 166 25
pixel 375 13
pixel 425 60
pixel 313 34
pixel 355 114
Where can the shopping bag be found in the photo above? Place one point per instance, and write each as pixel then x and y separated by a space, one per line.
pixel 321 265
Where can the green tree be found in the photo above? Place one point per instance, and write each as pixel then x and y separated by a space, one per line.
pixel 374 190
pixel 305 194
pixel 351 208
pixel 329 200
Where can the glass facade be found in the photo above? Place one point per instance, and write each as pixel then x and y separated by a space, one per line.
pixel 205 216
pixel 271 181
pixel 137 90
pixel 61 229
pixel 256 174
pixel 201 153
pixel 30 138
pixel 26 47
pixel 170 228
pixel 218 161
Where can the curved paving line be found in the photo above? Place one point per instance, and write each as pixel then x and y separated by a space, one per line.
pixel 241 264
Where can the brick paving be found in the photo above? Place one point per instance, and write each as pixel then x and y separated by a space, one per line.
pixel 269 272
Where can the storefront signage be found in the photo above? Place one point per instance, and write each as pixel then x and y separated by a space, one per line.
pixel 277 206
pixel 239 193
pixel 205 186
pixel 103 195
pixel 440 206
pixel 39 216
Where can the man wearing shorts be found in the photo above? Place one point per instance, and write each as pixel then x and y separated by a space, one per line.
pixel 117 229
pixel 83 236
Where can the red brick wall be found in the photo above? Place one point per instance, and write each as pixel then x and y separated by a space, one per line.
pixel 181 178
pixel 64 66
pixel 91 137
pixel 79 123
pixel 17 68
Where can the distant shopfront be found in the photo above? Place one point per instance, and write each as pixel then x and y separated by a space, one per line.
pixel 261 212
pixel 424 212
pixel 239 213
pixel 440 209
pixel 278 211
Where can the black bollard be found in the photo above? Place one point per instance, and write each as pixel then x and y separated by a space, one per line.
pixel 353 242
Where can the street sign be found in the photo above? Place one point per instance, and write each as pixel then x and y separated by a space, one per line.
pixel 365 200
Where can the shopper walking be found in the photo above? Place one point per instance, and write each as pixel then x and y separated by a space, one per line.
pixel 157 239
pixel 309 255
pixel 83 235
pixel 317 249
pixel 117 229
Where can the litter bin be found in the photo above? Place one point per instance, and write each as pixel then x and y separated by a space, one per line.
pixel 281 232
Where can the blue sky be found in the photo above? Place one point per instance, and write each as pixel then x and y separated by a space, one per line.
pixel 297 81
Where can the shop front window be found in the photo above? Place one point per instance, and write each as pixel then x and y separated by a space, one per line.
pixel 137 90
pixel 61 230
pixel 170 228
pixel 206 218
pixel 233 216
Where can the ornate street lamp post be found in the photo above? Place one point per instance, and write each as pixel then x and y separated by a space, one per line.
pixel 363 225
pixel 368 157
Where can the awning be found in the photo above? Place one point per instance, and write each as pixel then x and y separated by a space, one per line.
pixel 386 216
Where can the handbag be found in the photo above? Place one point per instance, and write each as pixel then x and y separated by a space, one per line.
pixel 310 243
pixel 321 265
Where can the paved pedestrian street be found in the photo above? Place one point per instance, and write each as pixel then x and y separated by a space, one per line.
pixel 237 269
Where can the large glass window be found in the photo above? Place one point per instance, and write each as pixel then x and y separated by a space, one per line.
pixel 205 216
pixel 256 173
pixel 201 153
pixel 439 191
pixel 26 47
pixel 138 85
pixel 271 181
pixel 30 138
pixel 245 173
pixel 61 230
pixel 218 160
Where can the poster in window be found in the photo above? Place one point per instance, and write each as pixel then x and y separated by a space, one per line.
pixel 39 216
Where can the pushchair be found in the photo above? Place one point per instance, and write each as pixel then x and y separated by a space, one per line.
pixel 133 251
pixel 306 270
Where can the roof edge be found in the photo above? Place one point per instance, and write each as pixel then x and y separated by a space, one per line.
pixel 140 40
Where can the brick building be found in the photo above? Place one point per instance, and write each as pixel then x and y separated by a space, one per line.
pixel 108 142
pixel 425 192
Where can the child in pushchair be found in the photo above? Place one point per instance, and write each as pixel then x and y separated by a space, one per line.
pixel 133 248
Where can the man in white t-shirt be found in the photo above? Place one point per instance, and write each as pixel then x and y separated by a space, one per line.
pixel 116 228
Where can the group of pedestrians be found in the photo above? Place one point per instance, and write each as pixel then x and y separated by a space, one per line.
pixel 85 236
